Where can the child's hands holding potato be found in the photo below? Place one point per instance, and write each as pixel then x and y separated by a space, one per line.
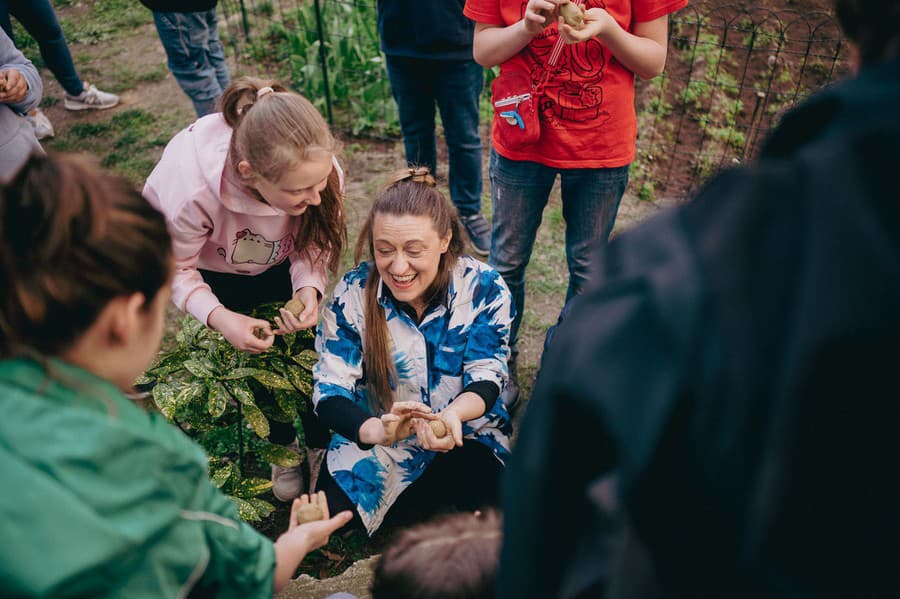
pixel 300 312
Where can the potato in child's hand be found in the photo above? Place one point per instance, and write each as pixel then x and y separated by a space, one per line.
pixel 438 428
pixel 260 333
pixel 2 84
pixel 572 14
pixel 295 307
pixel 309 513
pixel 313 507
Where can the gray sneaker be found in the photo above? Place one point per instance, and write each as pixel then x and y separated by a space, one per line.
pixel 479 231
pixel 90 99
pixel 43 128
pixel 287 483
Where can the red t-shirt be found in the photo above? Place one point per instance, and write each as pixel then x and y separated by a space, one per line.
pixel 587 109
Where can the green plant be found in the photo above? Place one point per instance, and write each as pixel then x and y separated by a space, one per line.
pixel 358 85
pixel 213 392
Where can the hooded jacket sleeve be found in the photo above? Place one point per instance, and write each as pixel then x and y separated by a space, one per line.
pixel 611 378
pixel 12 58
pixel 190 226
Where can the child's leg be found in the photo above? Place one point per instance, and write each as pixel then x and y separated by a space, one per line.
pixel 464 479
pixel 337 500
pixel 185 36
pixel 590 199
pixel 413 88
pixel 519 192
pixel 458 93
pixel 39 20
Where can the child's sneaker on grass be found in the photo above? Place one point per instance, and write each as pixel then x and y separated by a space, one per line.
pixel 91 99
pixel 43 128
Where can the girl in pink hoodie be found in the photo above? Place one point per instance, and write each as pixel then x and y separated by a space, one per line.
pixel 253 191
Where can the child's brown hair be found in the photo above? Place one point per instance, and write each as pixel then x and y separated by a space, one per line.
pixel 72 238
pixel 453 557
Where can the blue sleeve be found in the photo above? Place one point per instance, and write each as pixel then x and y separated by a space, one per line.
pixel 487 347
pixel 339 344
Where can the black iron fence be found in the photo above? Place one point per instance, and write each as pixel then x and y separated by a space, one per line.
pixel 732 70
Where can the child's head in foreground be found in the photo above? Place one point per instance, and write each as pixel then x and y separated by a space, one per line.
pixel 453 557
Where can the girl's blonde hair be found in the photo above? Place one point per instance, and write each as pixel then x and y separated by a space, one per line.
pixel 275 131
pixel 410 192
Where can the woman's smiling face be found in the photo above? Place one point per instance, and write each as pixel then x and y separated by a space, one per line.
pixel 408 252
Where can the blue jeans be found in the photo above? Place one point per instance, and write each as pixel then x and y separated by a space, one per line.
pixel 455 85
pixel 519 193
pixel 39 20
pixel 195 55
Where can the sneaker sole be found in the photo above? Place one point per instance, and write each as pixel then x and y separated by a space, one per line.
pixel 79 107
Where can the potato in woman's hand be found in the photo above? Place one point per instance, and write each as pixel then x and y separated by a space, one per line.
pixel 295 307
pixel 438 428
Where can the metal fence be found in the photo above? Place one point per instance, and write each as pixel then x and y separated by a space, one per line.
pixel 732 70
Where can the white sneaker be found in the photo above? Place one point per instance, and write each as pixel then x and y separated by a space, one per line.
pixel 43 128
pixel 287 483
pixel 90 99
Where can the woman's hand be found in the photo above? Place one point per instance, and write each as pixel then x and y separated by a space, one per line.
pixel 245 333
pixel 394 426
pixel 288 323
pixel 597 22
pixel 292 546
pixel 538 15
pixel 429 440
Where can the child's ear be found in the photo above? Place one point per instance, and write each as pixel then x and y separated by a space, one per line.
pixel 245 170
pixel 125 317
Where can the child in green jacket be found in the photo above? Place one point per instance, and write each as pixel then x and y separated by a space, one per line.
pixel 101 498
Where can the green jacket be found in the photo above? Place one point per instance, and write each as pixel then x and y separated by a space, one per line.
pixel 101 499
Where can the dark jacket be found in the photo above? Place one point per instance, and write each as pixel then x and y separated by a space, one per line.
pixel 737 363
pixel 434 29
pixel 179 5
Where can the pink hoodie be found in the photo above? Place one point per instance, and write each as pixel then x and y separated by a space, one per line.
pixel 214 225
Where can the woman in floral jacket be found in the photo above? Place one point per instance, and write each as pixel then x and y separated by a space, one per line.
pixel 421 337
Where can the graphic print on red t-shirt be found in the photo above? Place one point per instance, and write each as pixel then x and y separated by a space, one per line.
pixel 573 90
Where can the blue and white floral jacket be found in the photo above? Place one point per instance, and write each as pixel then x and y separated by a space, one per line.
pixel 464 340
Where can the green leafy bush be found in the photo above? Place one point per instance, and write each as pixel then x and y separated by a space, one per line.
pixel 214 392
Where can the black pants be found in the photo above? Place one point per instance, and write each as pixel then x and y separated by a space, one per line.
pixel 242 293
pixel 464 479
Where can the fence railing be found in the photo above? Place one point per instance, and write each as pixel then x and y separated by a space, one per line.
pixel 732 70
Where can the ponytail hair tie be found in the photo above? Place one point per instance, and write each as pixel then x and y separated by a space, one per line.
pixel 421 174
pixel 263 91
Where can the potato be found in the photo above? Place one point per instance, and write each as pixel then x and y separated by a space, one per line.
pixel 260 333
pixel 295 307
pixel 438 428
pixel 309 513
pixel 3 85
pixel 572 14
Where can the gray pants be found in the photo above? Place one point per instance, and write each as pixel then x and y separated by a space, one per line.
pixel 17 143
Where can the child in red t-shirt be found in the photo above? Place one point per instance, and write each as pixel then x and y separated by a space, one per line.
pixel 587 121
